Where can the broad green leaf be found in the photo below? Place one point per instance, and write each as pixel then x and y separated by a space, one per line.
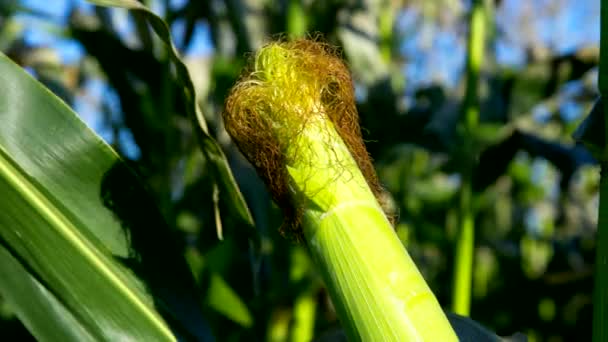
pixel 78 233
pixel 39 310
pixel 209 146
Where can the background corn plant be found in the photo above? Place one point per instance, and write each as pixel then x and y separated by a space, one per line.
pixel 511 169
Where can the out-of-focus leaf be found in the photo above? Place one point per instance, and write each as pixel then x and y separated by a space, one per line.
pixel 248 23
pixel 591 132
pixel 491 133
pixel 494 161
pixel 222 298
pixel 9 8
pixel 219 295
pixel 227 185
pixel 541 78
pixel 80 235
pixel 358 31
pixel 536 255
pixel 436 189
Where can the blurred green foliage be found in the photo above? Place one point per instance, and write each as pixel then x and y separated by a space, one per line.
pixel 534 196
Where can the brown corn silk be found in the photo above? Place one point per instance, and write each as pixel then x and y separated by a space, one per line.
pixel 285 85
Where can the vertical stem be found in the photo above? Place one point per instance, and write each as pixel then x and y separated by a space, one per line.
pixel 296 19
pixel 385 26
pixel 465 243
pixel 463 262
pixel 475 50
pixel 600 303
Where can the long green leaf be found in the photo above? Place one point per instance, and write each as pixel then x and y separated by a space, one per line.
pixel 209 145
pixel 41 312
pixel 78 234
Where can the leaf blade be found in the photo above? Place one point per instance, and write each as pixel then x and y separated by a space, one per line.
pixel 59 227
pixel 208 144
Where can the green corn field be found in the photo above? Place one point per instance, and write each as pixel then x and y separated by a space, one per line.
pixel 303 170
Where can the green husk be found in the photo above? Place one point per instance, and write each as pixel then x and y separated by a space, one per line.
pixel 293 116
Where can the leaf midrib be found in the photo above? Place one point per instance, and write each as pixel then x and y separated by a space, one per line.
pixel 63 226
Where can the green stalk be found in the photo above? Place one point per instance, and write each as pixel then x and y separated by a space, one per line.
pixel 600 302
pixel 385 28
pixel 463 262
pixel 465 242
pixel 296 19
pixel 295 98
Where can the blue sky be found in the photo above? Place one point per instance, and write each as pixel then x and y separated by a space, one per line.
pixel 433 53
pixel 48 31
pixel 574 24
pixel 43 31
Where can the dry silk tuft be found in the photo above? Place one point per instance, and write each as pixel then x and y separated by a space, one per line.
pixel 287 86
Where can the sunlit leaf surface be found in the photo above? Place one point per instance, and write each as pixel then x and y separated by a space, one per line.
pixel 84 253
